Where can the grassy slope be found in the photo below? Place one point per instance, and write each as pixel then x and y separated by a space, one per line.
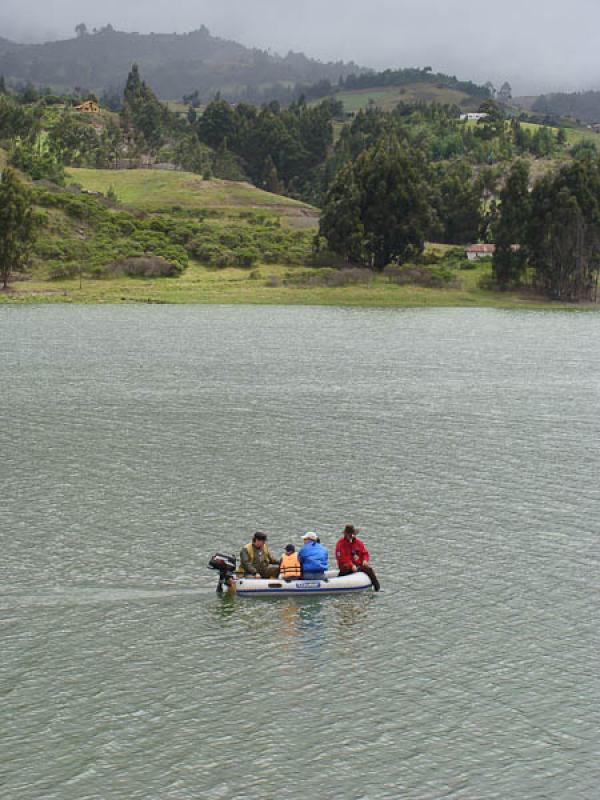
pixel 574 135
pixel 387 98
pixel 156 190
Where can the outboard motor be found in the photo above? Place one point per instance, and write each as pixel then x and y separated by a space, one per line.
pixel 225 566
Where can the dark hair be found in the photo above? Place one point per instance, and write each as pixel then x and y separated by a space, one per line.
pixel 350 529
pixel 259 535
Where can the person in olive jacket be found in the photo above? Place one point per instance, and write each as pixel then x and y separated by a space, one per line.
pixel 255 559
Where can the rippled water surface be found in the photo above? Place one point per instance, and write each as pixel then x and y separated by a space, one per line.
pixel 136 441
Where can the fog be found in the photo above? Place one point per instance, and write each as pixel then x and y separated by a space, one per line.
pixel 537 46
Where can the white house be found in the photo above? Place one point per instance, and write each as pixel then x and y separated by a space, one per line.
pixel 476 115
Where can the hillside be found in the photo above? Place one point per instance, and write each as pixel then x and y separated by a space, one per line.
pixel 584 106
pixel 173 64
pixel 105 217
pixel 158 191
pixel 387 97
pixel 409 85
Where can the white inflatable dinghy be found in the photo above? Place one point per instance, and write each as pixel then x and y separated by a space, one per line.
pixel 331 584
pixel 275 587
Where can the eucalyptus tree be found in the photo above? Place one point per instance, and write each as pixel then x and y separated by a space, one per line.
pixel 17 225
pixel 376 210
pixel 510 258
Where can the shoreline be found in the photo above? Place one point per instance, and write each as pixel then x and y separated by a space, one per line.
pixel 270 285
pixel 406 297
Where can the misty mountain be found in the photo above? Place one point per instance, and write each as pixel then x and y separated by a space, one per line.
pixel 584 106
pixel 172 64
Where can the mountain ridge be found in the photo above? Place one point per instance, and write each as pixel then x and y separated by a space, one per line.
pixel 173 64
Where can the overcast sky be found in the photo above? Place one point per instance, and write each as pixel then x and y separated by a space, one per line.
pixel 538 45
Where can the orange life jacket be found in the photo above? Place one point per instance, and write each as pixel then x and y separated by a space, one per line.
pixel 290 566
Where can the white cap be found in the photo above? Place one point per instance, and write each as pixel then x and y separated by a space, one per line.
pixel 310 535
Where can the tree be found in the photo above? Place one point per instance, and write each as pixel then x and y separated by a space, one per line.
pixel 510 258
pixel 271 180
pixel 192 99
pixel 488 185
pixel 341 223
pixel 492 125
pixel 457 201
pixel 29 94
pixel 17 225
pixel 218 122
pixel 73 141
pixel 193 156
pixel 81 30
pixel 491 89
pixel 142 108
pixel 505 93
pixel 564 232
pixel 2 85
pixel 376 210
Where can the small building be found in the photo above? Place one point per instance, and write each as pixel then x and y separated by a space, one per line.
pixel 476 115
pixel 475 251
pixel 88 107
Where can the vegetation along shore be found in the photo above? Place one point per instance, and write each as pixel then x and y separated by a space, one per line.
pixel 402 188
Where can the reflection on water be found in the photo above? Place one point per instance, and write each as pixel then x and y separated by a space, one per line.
pixel 462 443
pixel 351 613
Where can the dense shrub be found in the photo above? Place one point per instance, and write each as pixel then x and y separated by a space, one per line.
pixel 419 276
pixel 247 242
pixel 106 235
pixel 63 271
pixel 347 277
pixel 145 267
pixel 329 277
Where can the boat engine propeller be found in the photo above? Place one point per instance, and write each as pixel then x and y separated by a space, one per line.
pixel 225 566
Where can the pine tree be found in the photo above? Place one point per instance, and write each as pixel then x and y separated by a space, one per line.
pixel 142 108
pixel 17 225
pixel 133 86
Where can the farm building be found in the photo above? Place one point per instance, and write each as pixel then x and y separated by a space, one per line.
pixel 88 107
pixel 475 251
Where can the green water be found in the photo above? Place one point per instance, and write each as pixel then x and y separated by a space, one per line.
pixel 137 441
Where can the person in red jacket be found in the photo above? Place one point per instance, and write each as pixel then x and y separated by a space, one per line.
pixel 353 556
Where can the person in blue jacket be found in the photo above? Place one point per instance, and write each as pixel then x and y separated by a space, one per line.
pixel 314 558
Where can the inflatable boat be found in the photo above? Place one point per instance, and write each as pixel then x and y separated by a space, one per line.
pixel 331 583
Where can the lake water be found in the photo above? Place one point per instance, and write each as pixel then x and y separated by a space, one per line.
pixel 136 441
